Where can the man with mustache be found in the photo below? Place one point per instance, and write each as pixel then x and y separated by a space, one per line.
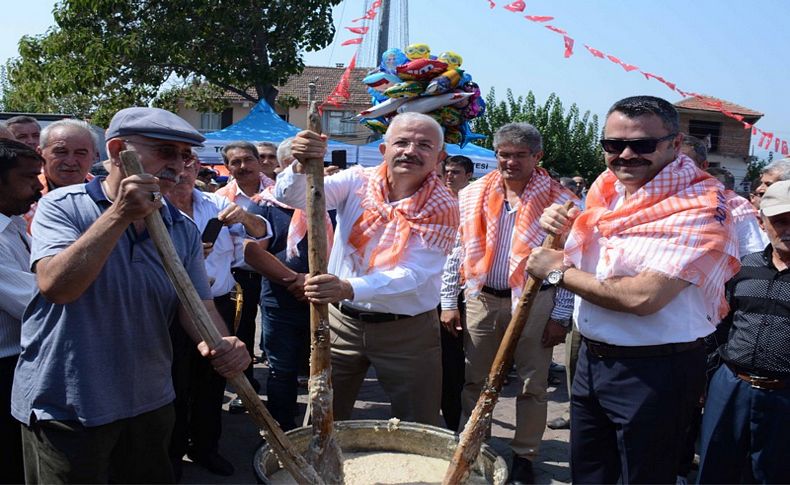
pixel 395 225
pixel 69 148
pixel 93 387
pixel 244 165
pixel 499 227
pixel 19 188
pixel 647 259
pixel 745 424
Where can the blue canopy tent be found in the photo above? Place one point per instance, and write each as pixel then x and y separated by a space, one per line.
pixel 484 159
pixel 262 124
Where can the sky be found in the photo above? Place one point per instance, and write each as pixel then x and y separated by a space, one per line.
pixel 725 48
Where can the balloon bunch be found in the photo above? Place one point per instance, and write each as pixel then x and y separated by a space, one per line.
pixel 417 81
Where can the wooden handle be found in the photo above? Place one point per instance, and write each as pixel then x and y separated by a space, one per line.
pixel 323 452
pixel 280 444
pixel 474 432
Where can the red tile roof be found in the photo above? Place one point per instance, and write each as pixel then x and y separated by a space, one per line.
pixel 709 103
pixel 326 78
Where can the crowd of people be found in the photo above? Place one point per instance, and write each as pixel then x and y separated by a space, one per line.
pixel 668 293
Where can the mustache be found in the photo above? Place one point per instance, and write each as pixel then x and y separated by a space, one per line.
pixel 621 162
pixel 168 174
pixel 409 159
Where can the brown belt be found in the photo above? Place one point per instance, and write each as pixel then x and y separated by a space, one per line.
pixel 759 382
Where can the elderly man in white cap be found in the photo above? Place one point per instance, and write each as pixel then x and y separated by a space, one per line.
pixel 92 386
pixel 745 426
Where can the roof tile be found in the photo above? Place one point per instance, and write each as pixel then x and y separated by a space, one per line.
pixel 709 103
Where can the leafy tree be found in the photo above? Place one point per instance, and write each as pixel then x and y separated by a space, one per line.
pixel 570 140
pixel 104 55
pixel 756 166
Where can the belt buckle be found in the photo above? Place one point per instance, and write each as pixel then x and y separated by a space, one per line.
pixel 758 382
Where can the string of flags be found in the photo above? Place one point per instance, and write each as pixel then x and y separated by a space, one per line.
pixel 341 92
pixel 767 138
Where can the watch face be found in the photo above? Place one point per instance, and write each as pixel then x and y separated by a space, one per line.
pixel 554 276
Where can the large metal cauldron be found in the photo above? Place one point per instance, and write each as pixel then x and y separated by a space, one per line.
pixel 375 435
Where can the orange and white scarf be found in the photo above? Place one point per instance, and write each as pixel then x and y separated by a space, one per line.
pixel 431 213
pixel 677 224
pixel 481 205
pixel 231 190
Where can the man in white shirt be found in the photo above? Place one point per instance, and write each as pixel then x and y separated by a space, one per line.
pixel 499 227
pixel 395 225
pixel 19 188
pixel 200 390
pixel 647 259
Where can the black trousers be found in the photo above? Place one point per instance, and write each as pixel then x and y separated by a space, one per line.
pixel 629 416
pixel 453 371
pixel 199 392
pixel 250 282
pixel 10 438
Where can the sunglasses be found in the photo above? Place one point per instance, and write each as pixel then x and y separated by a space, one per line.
pixel 641 146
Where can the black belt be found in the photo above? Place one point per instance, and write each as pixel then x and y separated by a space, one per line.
pixel 498 293
pixel 608 351
pixel 239 273
pixel 368 316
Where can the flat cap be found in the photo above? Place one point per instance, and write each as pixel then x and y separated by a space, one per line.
pixel 153 123
pixel 776 199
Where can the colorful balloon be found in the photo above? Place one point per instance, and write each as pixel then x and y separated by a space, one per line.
pixel 383 108
pixel 421 69
pixel 407 89
pixel 377 125
pixel 444 83
pixel 418 51
pixel 380 81
pixel 452 59
pixel 426 104
pixel 392 58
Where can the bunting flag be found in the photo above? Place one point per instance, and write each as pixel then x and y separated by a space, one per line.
pixel 715 104
pixel 356 40
pixel 556 29
pixel 491 4
pixel 358 30
pixel 568 46
pixel 343 89
pixel 517 6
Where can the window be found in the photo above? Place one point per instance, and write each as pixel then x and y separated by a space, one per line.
pixel 701 129
pixel 334 124
pixel 210 122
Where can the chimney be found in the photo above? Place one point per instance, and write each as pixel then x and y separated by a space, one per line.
pixel 339 64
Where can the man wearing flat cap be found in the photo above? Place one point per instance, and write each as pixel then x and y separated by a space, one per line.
pixel 92 387
pixel 746 423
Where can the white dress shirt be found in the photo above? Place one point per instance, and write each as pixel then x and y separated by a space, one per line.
pixel 228 250
pixel 17 283
pixel 683 319
pixel 410 287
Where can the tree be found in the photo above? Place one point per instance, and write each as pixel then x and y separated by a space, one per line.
pixel 570 142
pixel 104 55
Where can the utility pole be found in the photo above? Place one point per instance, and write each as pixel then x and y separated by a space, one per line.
pixel 384 30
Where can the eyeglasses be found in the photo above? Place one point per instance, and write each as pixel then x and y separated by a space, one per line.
pixel 641 146
pixel 422 146
pixel 168 152
pixel 513 156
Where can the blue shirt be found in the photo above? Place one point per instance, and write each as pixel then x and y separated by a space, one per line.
pixel 107 355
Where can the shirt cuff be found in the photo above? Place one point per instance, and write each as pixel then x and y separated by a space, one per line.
pixel 362 290
pixel 268 234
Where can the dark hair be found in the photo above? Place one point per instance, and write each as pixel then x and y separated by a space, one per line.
pixel 462 161
pixel 21 119
pixel 244 145
pixel 724 176
pixel 12 152
pixel 568 183
pixel 699 147
pixel 519 134
pixel 636 106
pixel 756 183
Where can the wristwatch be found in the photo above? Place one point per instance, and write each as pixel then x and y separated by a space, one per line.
pixel 554 277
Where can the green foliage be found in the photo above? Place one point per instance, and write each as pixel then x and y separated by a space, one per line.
pixel 756 166
pixel 570 140
pixel 202 97
pixel 104 55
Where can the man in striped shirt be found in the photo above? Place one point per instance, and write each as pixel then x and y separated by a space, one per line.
pixel 499 227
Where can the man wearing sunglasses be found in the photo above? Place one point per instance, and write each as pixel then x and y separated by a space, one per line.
pixel 93 387
pixel 647 259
